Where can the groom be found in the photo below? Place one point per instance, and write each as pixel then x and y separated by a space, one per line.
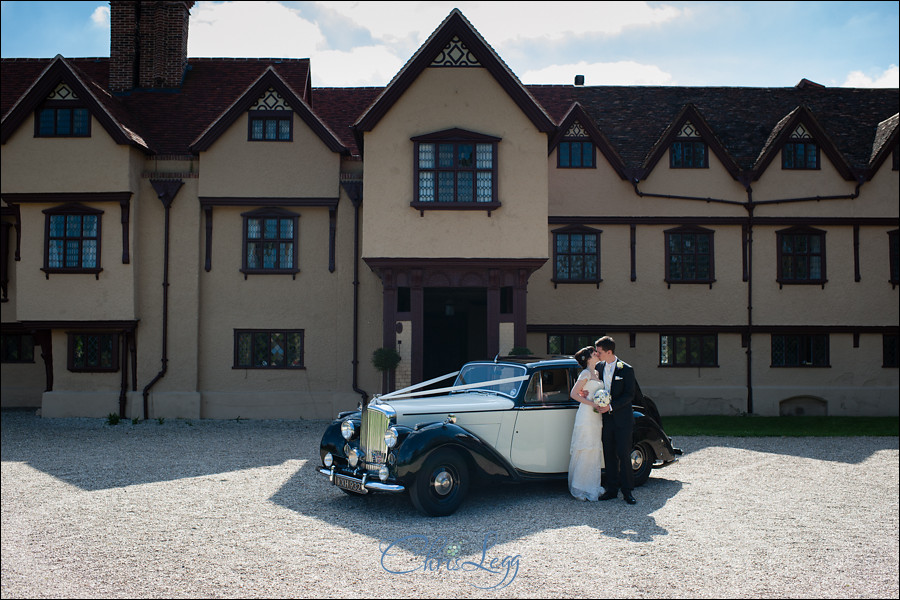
pixel 618 421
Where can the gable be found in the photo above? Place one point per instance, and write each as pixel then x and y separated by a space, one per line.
pixel 268 92
pixel 101 106
pixel 455 44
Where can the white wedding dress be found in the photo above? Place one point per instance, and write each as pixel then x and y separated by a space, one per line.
pixel 586 449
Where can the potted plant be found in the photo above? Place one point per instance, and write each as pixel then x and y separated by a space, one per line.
pixel 385 360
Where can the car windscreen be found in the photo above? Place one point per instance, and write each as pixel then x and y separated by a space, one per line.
pixel 485 373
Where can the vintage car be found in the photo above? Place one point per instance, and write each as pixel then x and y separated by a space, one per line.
pixel 501 420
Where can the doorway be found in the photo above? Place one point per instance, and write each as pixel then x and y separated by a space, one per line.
pixel 455 329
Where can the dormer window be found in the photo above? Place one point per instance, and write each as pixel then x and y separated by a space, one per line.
pixel 62 115
pixel 801 152
pixel 688 150
pixel 576 150
pixel 271 126
pixel 455 169
pixel 271 119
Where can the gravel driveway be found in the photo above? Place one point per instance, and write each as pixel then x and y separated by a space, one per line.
pixel 232 509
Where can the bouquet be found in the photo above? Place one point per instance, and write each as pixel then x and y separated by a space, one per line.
pixel 597 393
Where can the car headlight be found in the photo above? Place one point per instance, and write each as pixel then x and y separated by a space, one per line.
pixel 328 460
pixel 353 457
pixel 347 430
pixel 390 437
pixel 383 473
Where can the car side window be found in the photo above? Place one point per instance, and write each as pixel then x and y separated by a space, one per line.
pixel 550 386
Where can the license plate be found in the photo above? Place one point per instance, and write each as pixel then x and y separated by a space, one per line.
pixel 349 484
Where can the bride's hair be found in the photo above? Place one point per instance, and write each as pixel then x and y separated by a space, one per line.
pixel 583 355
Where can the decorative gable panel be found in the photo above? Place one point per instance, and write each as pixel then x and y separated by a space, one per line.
pixel 455 54
pixel 63 92
pixel 271 100
pixel 688 131
pixel 801 133
pixel 577 130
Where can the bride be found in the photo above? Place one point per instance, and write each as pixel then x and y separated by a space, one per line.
pixel 587 446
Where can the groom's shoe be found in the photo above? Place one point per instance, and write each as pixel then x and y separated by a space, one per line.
pixel 608 495
pixel 629 499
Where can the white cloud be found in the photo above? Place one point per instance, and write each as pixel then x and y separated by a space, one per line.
pixel 497 23
pixel 613 73
pixel 363 66
pixel 890 78
pixel 251 29
pixel 100 17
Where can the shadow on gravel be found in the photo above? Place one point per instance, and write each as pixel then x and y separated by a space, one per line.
pixel 491 514
pixel 93 455
pixel 835 449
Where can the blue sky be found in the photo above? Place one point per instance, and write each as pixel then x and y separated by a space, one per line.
pixel 760 44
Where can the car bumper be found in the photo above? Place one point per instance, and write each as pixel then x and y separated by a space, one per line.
pixel 359 485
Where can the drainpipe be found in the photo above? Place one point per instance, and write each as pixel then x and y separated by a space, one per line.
pixel 354 191
pixel 165 191
pixel 749 205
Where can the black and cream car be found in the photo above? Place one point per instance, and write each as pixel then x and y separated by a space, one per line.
pixel 504 420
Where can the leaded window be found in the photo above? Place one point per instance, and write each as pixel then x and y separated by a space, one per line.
pixel 17 348
pixel 800 156
pixel 270 241
pixel 455 169
pixel 271 125
pixel 801 255
pixel 688 154
pixel 267 349
pixel 689 255
pixel 63 121
pixel 72 240
pixel 567 344
pixel 890 356
pixel 688 350
pixel 576 255
pixel 894 252
pixel 575 154
pixel 800 350
pixel 93 352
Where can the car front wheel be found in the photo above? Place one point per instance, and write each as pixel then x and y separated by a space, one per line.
pixel 441 485
pixel 642 458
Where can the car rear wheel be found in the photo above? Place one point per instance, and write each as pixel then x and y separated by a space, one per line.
pixel 642 458
pixel 441 485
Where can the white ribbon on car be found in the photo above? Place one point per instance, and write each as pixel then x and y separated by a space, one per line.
pixel 407 392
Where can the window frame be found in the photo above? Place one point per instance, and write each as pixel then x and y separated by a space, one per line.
pixel 894 257
pixel 692 231
pixel 266 116
pixel 581 142
pixel 681 163
pixel 789 156
pixel 71 341
pixel 670 359
pixel 263 214
pixel 72 210
pixel 558 343
pixel 805 343
pixel 236 362
pixel 809 232
pixel 456 137
pixel 22 342
pixel 890 351
pixel 582 231
pixel 57 106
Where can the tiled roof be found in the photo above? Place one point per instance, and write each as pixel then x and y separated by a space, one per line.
pixel 632 118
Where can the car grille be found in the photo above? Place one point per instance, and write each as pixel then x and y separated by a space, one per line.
pixel 371 437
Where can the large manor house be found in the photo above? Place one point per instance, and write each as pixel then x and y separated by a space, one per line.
pixel 218 238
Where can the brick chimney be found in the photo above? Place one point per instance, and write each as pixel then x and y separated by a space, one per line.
pixel 148 45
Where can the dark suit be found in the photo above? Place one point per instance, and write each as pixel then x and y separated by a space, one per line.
pixel 617 429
